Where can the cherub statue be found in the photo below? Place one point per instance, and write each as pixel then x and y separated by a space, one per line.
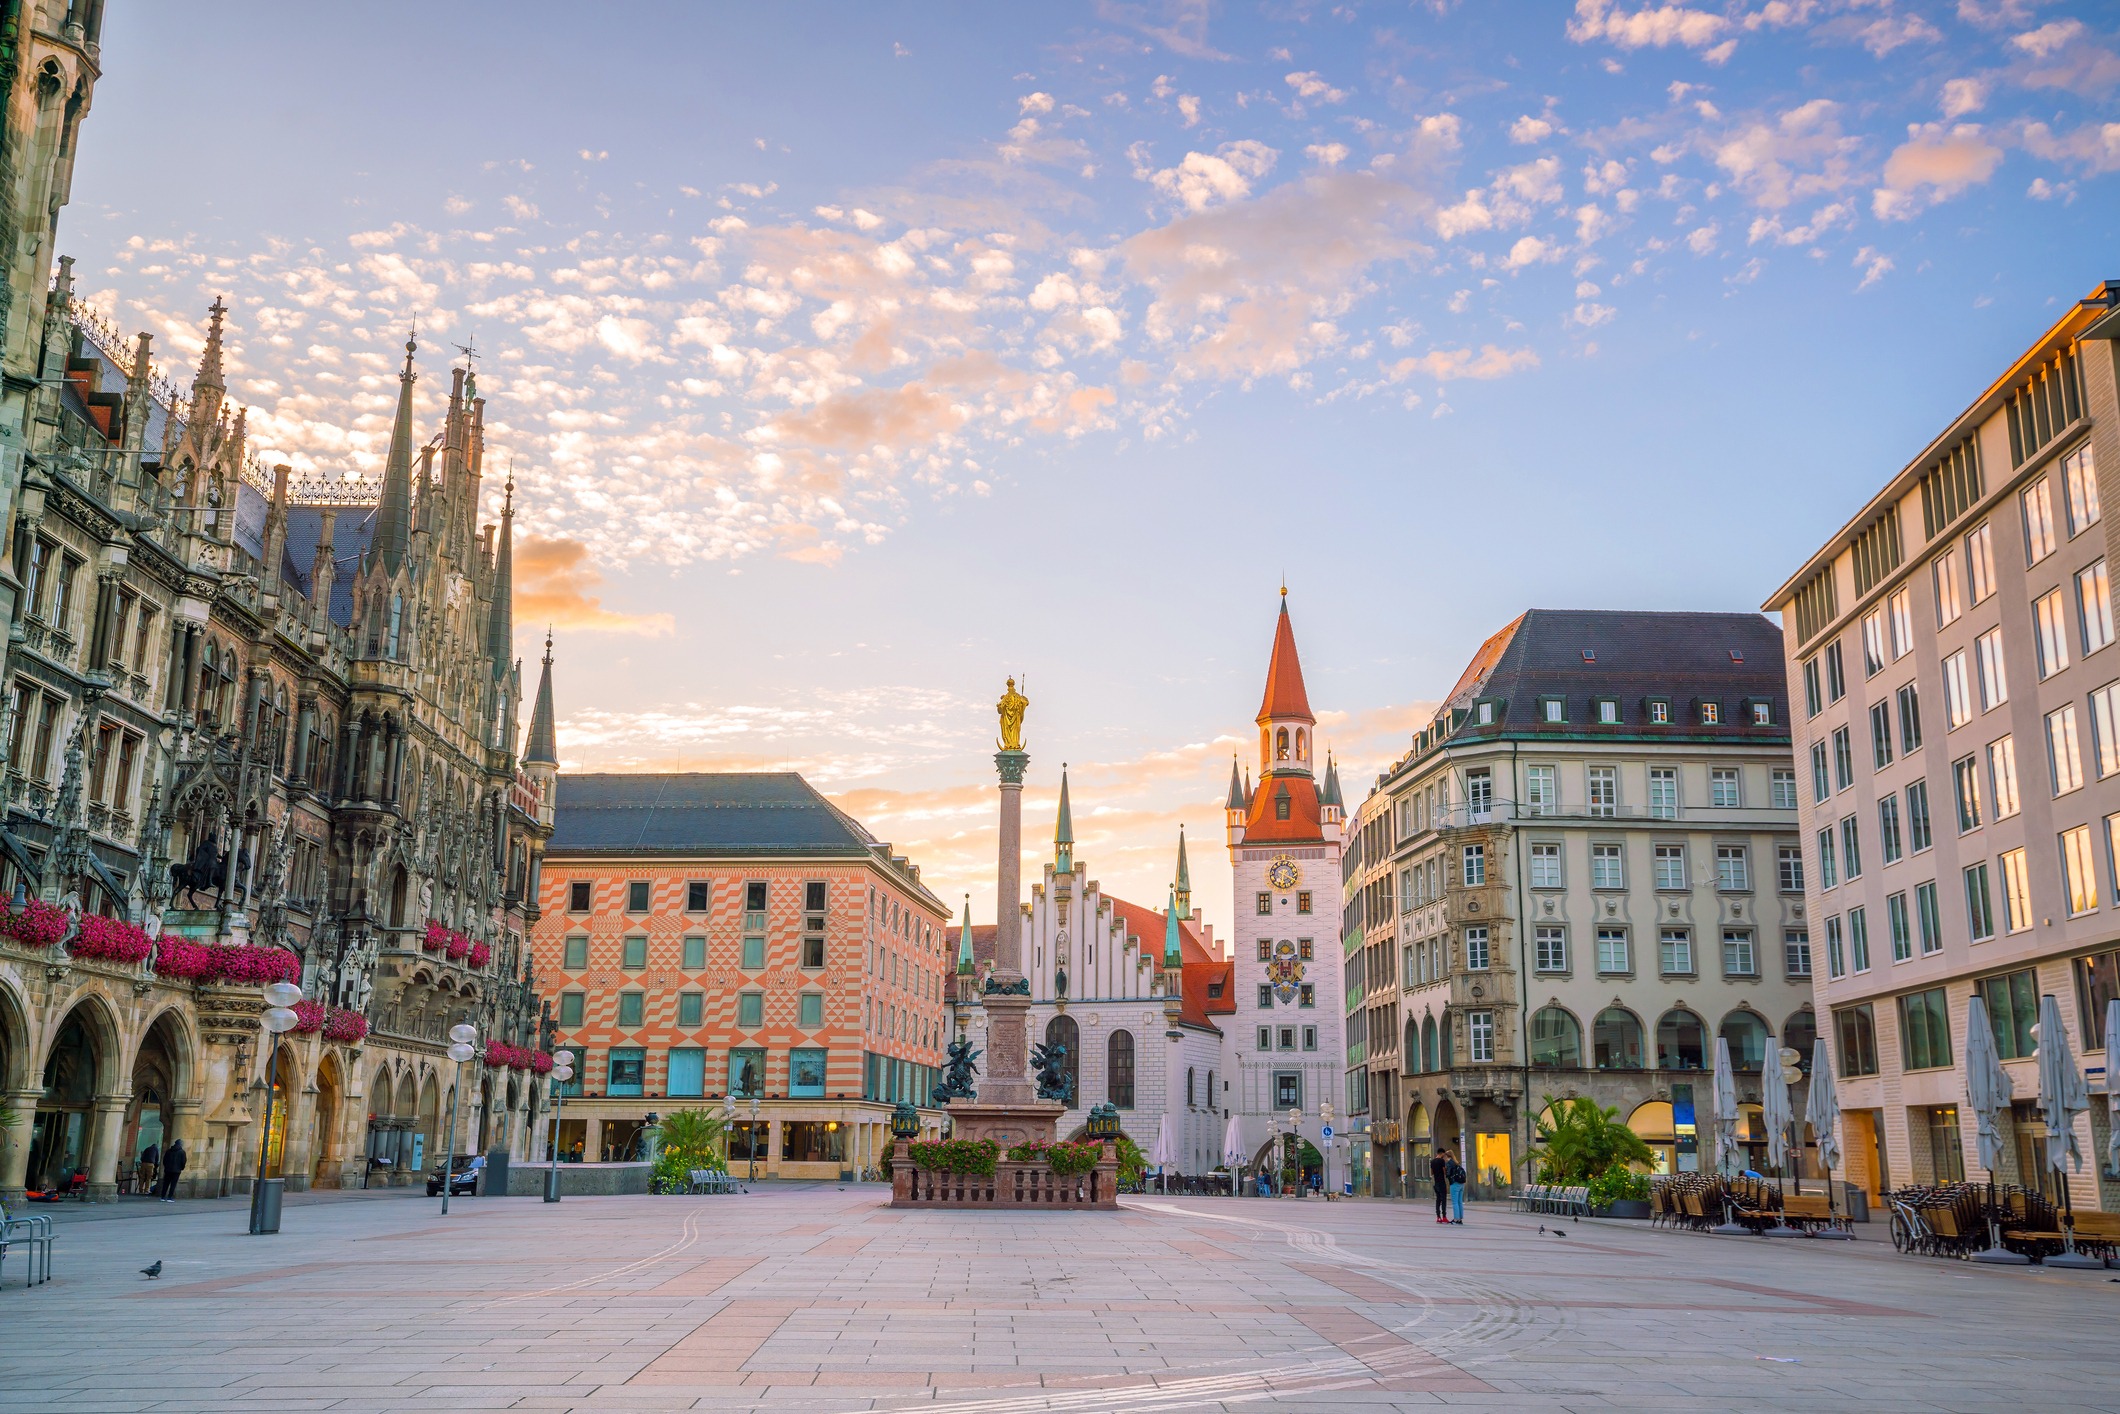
pixel 957 1081
pixel 1049 1061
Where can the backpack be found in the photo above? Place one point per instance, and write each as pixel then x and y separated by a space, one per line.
pixel 1456 1173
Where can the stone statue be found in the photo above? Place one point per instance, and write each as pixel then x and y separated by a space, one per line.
pixel 1050 1063
pixel 957 1081
pixel 426 900
pixel 203 872
pixel 1010 708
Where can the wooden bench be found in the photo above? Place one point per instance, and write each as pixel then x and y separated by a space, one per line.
pixel 1804 1209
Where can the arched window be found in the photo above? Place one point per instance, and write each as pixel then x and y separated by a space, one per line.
pixel 1747 1036
pixel 1280 744
pixel 1413 1046
pixel 1556 1038
pixel 1681 1041
pixel 1061 1030
pixel 1801 1036
pixel 1443 1054
pixel 1302 744
pixel 1192 1098
pixel 1210 1090
pixel 1428 1052
pixel 1119 1069
pixel 209 675
pixel 397 621
pixel 1616 1040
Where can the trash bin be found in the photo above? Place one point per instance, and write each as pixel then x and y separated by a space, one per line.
pixel 265 1205
pixel 495 1182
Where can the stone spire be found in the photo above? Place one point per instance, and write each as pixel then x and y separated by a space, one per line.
pixel 1064 831
pixel 1184 888
pixel 1332 784
pixel 1239 798
pixel 207 388
pixel 500 619
pixel 543 747
pixel 393 526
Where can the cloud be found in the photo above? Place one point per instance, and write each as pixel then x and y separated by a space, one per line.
pixel 1826 218
pixel 1327 154
pixel 1311 86
pixel 2092 148
pixel 1530 250
pixel 2049 39
pixel 1452 365
pixel 1933 165
pixel 1652 26
pixel 553 580
pixel 1874 266
pixel 1202 179
pixel 1178 25
pixel 1527 130
pixel 1963 96
pixel 1801 152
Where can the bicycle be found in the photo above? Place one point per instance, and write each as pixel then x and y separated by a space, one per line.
pixel 1910 1233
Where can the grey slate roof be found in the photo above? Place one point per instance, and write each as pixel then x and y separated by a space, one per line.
pixel 351 533
pixel 764 813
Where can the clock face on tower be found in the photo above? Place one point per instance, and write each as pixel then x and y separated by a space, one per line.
pixel 1282 873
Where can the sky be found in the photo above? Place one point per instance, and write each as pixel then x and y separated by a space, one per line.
pixel 850 358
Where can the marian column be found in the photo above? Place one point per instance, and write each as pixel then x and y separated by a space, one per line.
pixel 1007 995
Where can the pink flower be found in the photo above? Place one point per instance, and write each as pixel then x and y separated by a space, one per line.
pixel 437 937
pixel 309 1017
pixel 480 954
pixel 541 1062
pixel 38 925
pixel 111 940
pixel 345 1026
pixel 207 962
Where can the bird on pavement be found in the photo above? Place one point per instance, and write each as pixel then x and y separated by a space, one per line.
pixel 1557 1232
pixel 152 1272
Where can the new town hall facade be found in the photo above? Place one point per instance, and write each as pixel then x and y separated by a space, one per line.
pixel 245 717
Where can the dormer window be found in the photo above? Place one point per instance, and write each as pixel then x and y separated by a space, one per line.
pixel 1762 714
pixel 1485 714
pixel 1711 714
pixel 1659 712
pixel 1607 712
pixel 1280 804
pixel 1552 710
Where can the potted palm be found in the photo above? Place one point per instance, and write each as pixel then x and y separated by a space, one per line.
pixel 1584 1143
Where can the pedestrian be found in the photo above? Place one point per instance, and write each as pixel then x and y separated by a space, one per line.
pixel 1457 1191
pixel 147 1174
pixel 173 1161
pixel 1439 1180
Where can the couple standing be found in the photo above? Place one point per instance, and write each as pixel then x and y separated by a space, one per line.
pixel 1448 1176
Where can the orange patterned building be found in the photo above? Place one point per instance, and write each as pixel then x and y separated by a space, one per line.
pixel 736 942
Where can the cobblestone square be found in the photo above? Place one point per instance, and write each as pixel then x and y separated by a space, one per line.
pixel 821 1298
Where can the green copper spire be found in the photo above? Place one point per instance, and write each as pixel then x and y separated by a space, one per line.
pixel 1184 892
pixel 1173 954
pixel 1064 831
pixel 393 526
pixel 964 941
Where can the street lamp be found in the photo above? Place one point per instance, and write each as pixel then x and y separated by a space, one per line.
pixel 562 1072
pixel 1294 1150
pixel 1325 1137
pixel 279 1019
pixel 463 1045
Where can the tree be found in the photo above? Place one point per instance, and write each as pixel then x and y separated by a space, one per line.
pixel 687 1140
pixel 1583 1139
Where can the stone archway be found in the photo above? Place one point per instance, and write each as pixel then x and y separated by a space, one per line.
pixel 19 1089
pixel 326 1143
pixel 74 1139
pixel 430 1121
pixel 1448 1130
pixel 161 1078
pixel 408 1109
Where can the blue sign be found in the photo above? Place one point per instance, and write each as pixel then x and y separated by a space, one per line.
pixel 1328 1131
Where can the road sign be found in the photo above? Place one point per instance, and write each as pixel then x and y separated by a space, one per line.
pixel 1328 1131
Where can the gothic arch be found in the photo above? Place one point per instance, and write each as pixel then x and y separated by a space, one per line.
pixel 180 1038
pixel 16 1047
pixel 99 1019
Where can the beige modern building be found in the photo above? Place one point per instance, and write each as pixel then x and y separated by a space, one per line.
pixel 1958 734
pixel 1585 871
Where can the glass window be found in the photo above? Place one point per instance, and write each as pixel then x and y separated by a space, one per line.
pixel 1550 948
pixel 750 1010
pixel 1670 866
pixel 2079 870
pixel 1608 712
pixel 810 1011
pixel 1796 952
pixel 1880 735
pixel 1475 865
pixel 1723 787
pixel 1901 605
pixel 1836 679
pixel 1919 837
pixel 1855 1027
pixel 1604 790
pixel 1747 1038
pixel 1660 712
pixel 1925 1030
pixel 1788 869
pixel 1821 776
pixel 1733 868
pixel 1979 910
pixel 578 896
pixel 626 1070
pixel 1828 867
pixel 1909 718
pixel 1616 1040
pixel 2038 502
pixel 1814 698
pixel 1740 959
pixel 691 1008
pixel 1957 691
pixel 1475 949
pixel 2094 607
pixel 1980 563
pixel 1950 589
pixel 570 1008
pixel 1843 759
pixel 2050 634
pixel 1781 791
pixel 1873 642
pixel 1612 954
pixel 695 954
pixel 1606 869
pixel 1929 916
pixel 688 1073
pixel 1553 710
pixel 1901 927
pixel 754 952
pixel 1859 938
pixel 1556 1039
pixel 1545 866
pixel 635 953
pixel 747 1071
pixel 1836 951
pixel 1681 1041
pixel 2012 1002
pixel 1663 793
pixel 1850 848
pixel 806 1073
pixel 1965 785
pixel 1119 1070
pixel 1994 682
pixel 1675 952
pixel 630 1008
pixel 2002 776
pixel 699 896
pixel 2097 983
pixel 2062 756
pixel 2016 892
pixel 575 953
pixel 2105 728
pixel 1542 794
pixel 1889 841
pixel 637 896
pixel 1479 1028
pixel 2081 482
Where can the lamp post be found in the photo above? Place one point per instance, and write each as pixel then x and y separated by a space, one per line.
pixel 1325 1138
pixel 751 1174
pixel 279 1019
pixel 463 1039
pixel 728 1129
pixel 562 1072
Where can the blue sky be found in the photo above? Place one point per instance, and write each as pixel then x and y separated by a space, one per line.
pixel 853 356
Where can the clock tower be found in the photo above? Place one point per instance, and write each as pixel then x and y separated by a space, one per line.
pixel 1284 1047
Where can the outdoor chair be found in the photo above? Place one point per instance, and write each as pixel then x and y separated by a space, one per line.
pixel 35 1236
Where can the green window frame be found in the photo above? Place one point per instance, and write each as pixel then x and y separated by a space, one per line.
pixel 635 956
pixel 632 1006
pixel 570 1008
pixel 574 953
pixel 639 895
pixel 625 1071
pixel 812 1011
pixel 754 952
pixel 691 1008
pixel 750 1010
pixel 695 954
pixel 1925 1030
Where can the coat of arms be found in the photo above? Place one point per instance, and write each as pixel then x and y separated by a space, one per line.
pixel 1285 970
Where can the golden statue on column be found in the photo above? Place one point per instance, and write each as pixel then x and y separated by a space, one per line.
pixel 1010 708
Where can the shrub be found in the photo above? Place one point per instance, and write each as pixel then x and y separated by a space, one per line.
pixel 1617 1183
pixel 969 1156
pixel 1133 1164
pixel 1063 1159
pixel 1584 1139
pixel 687 1140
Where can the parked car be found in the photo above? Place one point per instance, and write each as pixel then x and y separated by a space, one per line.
pixel 463 1177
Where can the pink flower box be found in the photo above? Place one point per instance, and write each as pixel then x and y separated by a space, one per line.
pixel 38 925
pixel 111 940
pixel 480 954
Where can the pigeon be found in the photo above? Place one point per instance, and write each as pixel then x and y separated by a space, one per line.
pixel 1556 1231
pixel 152 1272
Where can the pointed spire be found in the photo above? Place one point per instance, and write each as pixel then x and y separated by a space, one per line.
pixel 1173 950
pixel 543 747
pixel 500 619
pixel 1331 795
pixel 964 941
pixel 1184 891
pixel 209 375
pixel 1239 798
pixel 1285 697
pixel 393 526
pixel 1064 830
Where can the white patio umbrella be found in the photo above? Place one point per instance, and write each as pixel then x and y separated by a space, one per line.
pixel 1987 1094
pixel 1823 1111
pixel 1775 1114
pixel 1233 1152
pixel 2062 1096
pixel 1165 1156
pixel 1725 1116
pixel 2112 1084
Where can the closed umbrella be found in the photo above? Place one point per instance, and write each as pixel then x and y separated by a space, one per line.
pixel 1725 1116
pixel 1823 1111
pixel 1165 1156
pixel 1987 1094
pixel 2062 1096
pixel 1774 1113
pixel 2112 1084
pixel 1233 1153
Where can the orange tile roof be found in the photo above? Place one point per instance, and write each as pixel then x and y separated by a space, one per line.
pixel 1200 967
pixel 1285 696
pixel 1303 822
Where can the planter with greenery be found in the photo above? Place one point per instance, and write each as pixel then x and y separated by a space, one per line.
pixel 976 1157
pixel 1583 1143
pixel 1620 1192
pixel 1063 1159
pixel 685 1141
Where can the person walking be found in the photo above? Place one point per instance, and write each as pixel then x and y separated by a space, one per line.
pixel 1457 1191
pixel 173 1161
pixel 147 1174
pixel 1439 1180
